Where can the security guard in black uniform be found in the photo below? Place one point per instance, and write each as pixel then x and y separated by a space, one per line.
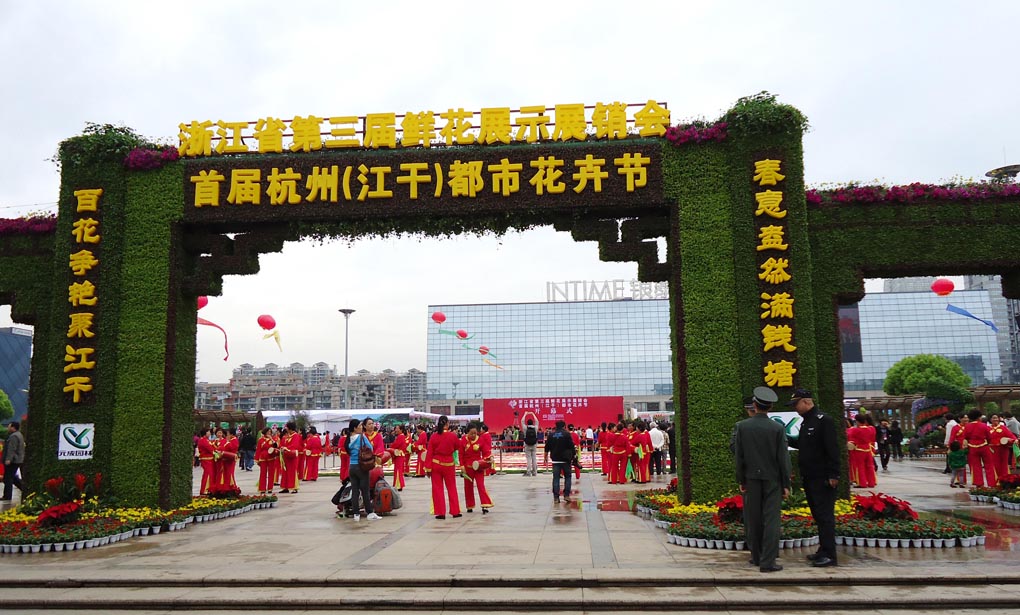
pixel 819 467
pixel 763 472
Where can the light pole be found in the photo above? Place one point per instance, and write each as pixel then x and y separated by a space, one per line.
pixel 347 319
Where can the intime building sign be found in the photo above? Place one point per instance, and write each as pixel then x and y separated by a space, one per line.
pixel 604 290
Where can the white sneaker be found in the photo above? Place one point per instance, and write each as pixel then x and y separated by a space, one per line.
pixel 357 517
pixel 373 517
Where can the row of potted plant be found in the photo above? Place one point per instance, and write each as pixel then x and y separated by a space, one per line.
pixel 22 532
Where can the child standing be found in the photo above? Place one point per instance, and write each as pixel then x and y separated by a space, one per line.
pixel 958 464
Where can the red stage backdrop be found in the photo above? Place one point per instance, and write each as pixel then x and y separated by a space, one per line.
pixel 579 411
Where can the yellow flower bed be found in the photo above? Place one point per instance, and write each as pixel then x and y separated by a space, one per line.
pixel 843 507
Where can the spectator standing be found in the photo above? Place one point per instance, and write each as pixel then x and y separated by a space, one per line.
pixel 763 473
pixel 896 440
pixel 819 469
pixel 360 485
pixel 589 438
pixel 658 448
pixel 1011 423
pixel 530 423
pixel 950 426
pixel 247 447
pixel 882 436
pixel 14 457
pixel 559 447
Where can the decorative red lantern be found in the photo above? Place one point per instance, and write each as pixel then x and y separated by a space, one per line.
pixel 438 317
pixel 267 322
pixel 202 302
pixel 484 350
pixel 942 287
pixel 462 334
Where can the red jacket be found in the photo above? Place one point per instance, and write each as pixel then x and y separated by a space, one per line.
pixel 441 448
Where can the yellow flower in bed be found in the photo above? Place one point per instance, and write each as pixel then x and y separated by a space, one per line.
pixel 13 516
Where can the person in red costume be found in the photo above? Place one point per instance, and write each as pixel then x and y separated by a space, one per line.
pixel 401 456
pixel 345 458
pixel 618 455
pixel 956 435
pixel 643 443
pixel 861 458
pixel 439 464
pixel 313 453
pixel 375 437
pixel 291 446
pixel 421 443
pixel 267 455
pixel 604 439
pixel 483 433
pixel 226 461
pixel 1001 439
pixel 977 438
pixel 576 439
pixel 475 457
pixel 207 457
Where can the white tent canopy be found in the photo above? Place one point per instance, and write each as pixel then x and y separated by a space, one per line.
pixel 332 420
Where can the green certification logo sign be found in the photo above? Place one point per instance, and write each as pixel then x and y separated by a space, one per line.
pixel 75 441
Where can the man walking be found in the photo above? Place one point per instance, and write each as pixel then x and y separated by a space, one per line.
pixel 882 436
pixel 819 469
pixel 559 447
pixel 763 472
pixel 14 456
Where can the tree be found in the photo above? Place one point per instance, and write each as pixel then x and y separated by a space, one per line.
pixel 933 376
pixel 6 407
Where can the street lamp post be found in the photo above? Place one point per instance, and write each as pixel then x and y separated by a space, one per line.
pixel 347 319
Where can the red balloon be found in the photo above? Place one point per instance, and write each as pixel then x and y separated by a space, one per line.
pixel 439 317
pixel 483 349
pixel 942 287
pixel 267 322
pixel 202 302
pixel 462 334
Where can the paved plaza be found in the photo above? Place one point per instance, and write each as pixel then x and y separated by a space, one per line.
pixel 529 549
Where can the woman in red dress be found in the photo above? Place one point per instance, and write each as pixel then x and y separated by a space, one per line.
pixel 475 457
pixel 267 455
pixel 401 456
pixel 226 462
pixel 345 458
pixel 1002 440
pixel 291 445
pixel 313 453
pixel 206 457
pixel 439 462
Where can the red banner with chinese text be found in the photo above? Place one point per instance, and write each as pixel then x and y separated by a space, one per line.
pixel 579 411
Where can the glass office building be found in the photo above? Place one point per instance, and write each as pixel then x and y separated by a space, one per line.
pixel 622 347
pixel 903 324
pixel 15 367
pixel 550 349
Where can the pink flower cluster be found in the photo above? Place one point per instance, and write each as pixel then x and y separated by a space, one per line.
pixel 911 193
pixel 678 135
pixel 28 226
pixel 144 159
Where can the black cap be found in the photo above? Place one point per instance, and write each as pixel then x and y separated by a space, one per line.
pixel 799 394
pixel 764 396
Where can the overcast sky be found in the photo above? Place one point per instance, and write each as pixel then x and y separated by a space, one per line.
pixel 921 91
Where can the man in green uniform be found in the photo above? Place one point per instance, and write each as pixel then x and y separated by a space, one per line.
pixel 763 472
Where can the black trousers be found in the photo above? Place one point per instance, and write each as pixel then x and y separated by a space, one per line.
pixel 11 480
pixel 359 489
pixel 657 462
pixel 822 501
pixel 884 453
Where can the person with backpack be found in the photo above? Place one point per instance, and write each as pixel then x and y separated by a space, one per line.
pixel 530 423
pixel 360 485
pixel 559 447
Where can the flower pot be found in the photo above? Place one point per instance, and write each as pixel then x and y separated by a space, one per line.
pixel 671 538
pixel 915 542
pixel 155 529
pixel 839 540
pixel 46 547
pixel 683 541
pixel 948 542
pixel 973 498
pixel 80 544
pixel 58 546
pixel 719 544
pixel 729 544
pixel 871 542
pixel 937 542
pixel 980 540
pixel 113 538
pixel 701 543
pixel 91 542
pixel 273 504
pixel 738 545
pixel 798 542
pixel 858 541
pixel 34 548
pixel 883 542
pixel 926 543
